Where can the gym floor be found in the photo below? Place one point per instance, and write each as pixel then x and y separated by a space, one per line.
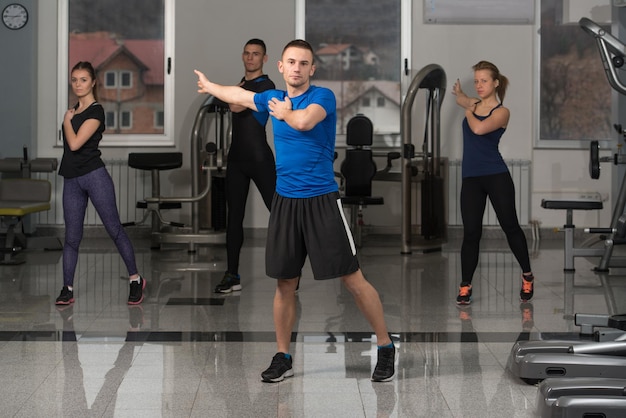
pixel 187 352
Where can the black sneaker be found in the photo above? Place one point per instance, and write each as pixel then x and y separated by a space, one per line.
pixel 66 297
pixel 279 369
pixel 230 282
pixel 385 366
pixel 135 296
pixel 528 288
pixel 465 295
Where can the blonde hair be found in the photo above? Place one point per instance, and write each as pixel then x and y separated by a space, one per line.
pixel 503 82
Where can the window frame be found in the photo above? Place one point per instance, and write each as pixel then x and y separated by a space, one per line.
pixel 158 118
pixel 167 138
pixel 124 113
pixel 571 144
pixel 404 66
pixel 107 114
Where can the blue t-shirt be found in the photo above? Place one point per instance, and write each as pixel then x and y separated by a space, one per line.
pixel 481 156
pixel 304 159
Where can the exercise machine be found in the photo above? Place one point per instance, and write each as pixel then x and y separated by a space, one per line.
pixel 20 196
pixel 357 171
pixel 595 354
pixel 612 54
pixel 207 163
pixel 585 377
pixel 433 223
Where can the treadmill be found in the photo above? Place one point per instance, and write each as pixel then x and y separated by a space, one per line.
pixel 581 397
pixel 603 355
pixel 582 378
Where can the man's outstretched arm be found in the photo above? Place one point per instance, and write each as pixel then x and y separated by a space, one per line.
pixel 229 94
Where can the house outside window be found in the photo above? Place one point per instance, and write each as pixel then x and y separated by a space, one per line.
pixel 129 43
pixel 357 47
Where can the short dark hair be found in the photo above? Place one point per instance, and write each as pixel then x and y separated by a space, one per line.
pixel 300 43
pixel 257 41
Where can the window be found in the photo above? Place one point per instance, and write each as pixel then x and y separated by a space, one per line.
pixel 110 120
pixel 126 79
pixel 358 49
pixel 126 119
pixel 130 44
pixel 158 119
pixel 110 79
pixel 121 79
pixel 574 94
pixel 380 102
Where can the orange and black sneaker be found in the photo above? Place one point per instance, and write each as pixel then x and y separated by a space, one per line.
pixel 465 295
pixel 528 286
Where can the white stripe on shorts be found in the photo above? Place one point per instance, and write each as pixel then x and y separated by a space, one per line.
pixel 346 226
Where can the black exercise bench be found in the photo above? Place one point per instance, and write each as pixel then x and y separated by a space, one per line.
pixel 570 203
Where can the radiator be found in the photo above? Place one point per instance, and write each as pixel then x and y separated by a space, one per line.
pixel 520 172
pixel 130 186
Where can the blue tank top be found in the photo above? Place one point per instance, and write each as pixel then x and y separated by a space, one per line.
pixel 481 156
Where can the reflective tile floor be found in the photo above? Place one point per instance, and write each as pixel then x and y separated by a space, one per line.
pixel 187 352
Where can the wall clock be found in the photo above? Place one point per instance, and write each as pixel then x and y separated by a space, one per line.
pixel 15 16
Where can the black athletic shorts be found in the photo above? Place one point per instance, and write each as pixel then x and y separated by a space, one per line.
pixel 315 227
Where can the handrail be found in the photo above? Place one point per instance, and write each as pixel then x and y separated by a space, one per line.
pixel 433 78
pixel 610 47
pixel 211 104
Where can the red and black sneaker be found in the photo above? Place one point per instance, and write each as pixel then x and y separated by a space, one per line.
pixel 135 296
pixel 66 297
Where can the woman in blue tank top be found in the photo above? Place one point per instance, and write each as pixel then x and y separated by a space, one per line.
pixel 485 175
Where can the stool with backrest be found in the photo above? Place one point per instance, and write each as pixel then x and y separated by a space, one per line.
pixel 357 171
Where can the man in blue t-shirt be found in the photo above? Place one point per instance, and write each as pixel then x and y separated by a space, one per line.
pixel 306 217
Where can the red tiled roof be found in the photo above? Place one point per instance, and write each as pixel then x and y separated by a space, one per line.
pixel 99 47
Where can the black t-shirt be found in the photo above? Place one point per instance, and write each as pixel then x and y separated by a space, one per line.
pixel 249 143
pixel 86 158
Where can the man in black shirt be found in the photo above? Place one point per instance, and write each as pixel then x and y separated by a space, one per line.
pixel 249 158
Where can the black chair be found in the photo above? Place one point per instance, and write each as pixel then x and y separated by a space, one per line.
pixel 155 162
pixel 358 170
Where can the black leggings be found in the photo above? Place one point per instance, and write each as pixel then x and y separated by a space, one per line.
pixel 238 176
pixel 501 192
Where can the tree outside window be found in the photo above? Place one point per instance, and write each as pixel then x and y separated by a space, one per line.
pixel 574 95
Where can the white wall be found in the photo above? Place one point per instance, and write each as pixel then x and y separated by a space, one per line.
pixel 210 36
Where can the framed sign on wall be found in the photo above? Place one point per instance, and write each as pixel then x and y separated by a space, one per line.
pixel 479 11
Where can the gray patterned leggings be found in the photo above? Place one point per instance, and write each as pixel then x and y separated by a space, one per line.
pixel 97 186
